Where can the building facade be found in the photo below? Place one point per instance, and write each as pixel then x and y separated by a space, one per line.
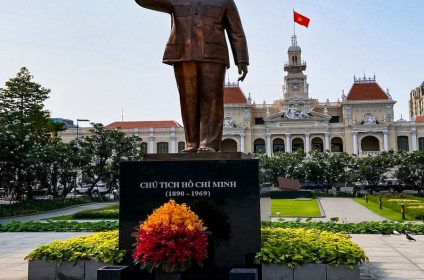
pixel 416 102
pixel 359 123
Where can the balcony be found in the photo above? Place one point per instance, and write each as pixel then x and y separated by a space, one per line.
pixel 371 153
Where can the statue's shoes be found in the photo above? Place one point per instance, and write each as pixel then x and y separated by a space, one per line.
pixel 189 150
pixel 206 150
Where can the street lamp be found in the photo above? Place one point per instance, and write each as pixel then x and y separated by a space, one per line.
pixel 80 120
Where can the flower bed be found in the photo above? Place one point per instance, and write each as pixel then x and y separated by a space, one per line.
pixel 294 247
pixel 414 206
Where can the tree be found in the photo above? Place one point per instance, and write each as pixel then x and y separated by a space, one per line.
pixel 369 170
pixel 411 169
pixel 280 165
pixel 24 127
pixel 103 150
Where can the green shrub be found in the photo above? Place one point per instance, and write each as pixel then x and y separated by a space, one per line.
pixel 373 227
pixel 301 246
pixel 40 205
pixel 58 226
pixel 102 246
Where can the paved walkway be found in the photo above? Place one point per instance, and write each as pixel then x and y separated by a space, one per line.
pixel 56 213
pixel 391 257
pixel 346 209
pixel 14 246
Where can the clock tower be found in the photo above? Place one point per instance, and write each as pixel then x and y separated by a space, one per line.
pixel 295 85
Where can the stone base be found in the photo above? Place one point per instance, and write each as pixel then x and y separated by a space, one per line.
pixel 309 272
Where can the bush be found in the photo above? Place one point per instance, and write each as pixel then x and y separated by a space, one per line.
pixel 374 227
pixel 102 246
pixel 40 205
pixel 301 246
pixel 58 226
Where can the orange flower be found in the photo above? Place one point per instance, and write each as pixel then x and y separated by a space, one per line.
pixel 175 216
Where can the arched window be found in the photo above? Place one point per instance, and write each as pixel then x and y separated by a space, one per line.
pixel 228 146
pixel 297 144
pixel 144 147
pixel 162 148
pixel 181 146
pixel 259 146
pixel 403 143
pixel 336 145
pixel 317 144
pixel 421 144
pixel 278 146
pixel 370 144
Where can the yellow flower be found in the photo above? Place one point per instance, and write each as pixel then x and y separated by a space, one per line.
pixel 175 216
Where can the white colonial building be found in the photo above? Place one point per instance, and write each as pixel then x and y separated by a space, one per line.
pixel 360 123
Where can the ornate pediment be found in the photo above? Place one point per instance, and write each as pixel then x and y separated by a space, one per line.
pixel 297 115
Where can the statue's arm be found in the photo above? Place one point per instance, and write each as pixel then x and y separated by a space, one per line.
pixel 157 5
pixel 237 38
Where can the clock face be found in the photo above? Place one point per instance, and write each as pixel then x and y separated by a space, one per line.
pixel 295 86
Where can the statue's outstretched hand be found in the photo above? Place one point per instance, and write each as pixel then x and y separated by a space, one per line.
pixel 242 70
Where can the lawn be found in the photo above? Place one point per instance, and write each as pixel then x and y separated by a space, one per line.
pixel 295 208
pixel 107 213
pixel 385 212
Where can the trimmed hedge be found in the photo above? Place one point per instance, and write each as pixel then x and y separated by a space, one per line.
pixel 384 227
pixel 59 226
pixel 294 247
pixel 414 205
pixel 102 246
pixel 111 212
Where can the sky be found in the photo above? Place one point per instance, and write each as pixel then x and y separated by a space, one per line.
pixel 102 59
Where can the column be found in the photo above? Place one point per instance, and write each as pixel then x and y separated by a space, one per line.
pixel 414 139
pixel 151 149
pixel 307 143
pixel 287 143
pixel 268 145
pixel 327 141
pixel 242 144
pixel 355 142
pixel 173 149
pixel 386 140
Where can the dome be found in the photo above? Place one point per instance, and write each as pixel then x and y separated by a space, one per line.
pixel 422 84
pixel 294 49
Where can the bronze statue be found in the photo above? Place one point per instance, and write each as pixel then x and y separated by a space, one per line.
pixel 198 51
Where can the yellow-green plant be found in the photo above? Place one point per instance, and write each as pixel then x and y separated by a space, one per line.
pixel 102 246
pixel 301 246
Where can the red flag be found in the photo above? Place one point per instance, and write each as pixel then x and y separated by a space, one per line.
pixel 300 19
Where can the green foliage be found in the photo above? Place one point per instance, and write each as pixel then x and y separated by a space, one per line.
pixel 411 169
pixel 40 205
pixel 58 226
pixel 295 208
pixel 300 246
pixel 374 227
pixel 102 246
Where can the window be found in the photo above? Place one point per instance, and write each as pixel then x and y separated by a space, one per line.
pixel 421 144
pixel 181 146
pixel 259 121
pixel 259 146
pixel 403 145
pixel 144 147
pixel 162 148
pixel 278 146
pixel 335 119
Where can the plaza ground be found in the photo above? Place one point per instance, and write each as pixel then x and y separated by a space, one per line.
pixel 391 257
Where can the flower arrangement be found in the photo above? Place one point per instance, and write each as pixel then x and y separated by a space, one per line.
pixel 171 239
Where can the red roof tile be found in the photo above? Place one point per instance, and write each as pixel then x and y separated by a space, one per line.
pixel 234 95
pixel 419 119
pixel 144 124
pixel 366 91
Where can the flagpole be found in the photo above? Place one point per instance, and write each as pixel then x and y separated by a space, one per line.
pixel 294 25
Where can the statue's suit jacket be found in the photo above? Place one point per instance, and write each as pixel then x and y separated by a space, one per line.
pixel 198 30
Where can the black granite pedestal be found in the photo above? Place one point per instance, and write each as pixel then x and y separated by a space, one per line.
pixel 221 188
